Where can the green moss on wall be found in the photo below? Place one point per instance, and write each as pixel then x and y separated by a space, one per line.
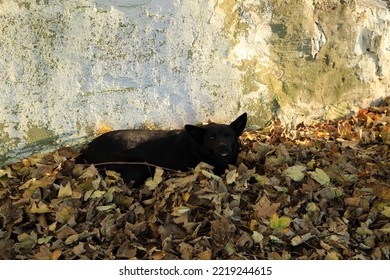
pixel 37 134
pixel 6 143
pixel 264 112
pixel 231 17
pixel 4 137
pixel 325 78
pixel 37 139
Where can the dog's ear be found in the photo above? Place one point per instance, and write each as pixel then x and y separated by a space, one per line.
pixel 239 124
pixel 195 132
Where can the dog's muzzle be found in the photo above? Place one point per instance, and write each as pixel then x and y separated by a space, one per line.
pixel 223 149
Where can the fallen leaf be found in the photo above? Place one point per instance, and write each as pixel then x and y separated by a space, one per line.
pixel 257 237
pixel 320 176
pixel 180 210
pixel 210 175
pixel 231 176
pixel 40 209
pixel 205 255
pixel 386 211
pixel 332 256
pixel 152 183
pixel 263 180
pixel 296 173
pixel 104 208
pixel 298 239
pixel 281 223
pixel 264 208
pixel 65 191
pixel 104 128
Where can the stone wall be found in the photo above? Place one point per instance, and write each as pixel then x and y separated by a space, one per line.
pixel 69 67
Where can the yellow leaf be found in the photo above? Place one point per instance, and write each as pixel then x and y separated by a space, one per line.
pixel 56 254
pixel 182 181
pixel 6 172
pixel 53 226
pixel 108 196
pixel 385 229
pixel 79 249
pixel 44 240
pixel 296 173
pixel 203 165
pixel 284 222
pixel 64 214
pixel 311 164
pixel 252 224
pixel 104 128
pixel 275 221
pixel 386 211
pixel 257 237
pixel 251 135
pixel 97 194
pixel 281 223
pixel 152 183
pixel 105 207
pixel 85 186
pixel 332 256
pixel 320 176
pixel 178 211
pixel 325 245
pixel 299 239
pixel 205 255
pixel 231 176
pixel 112 176
pixel 296 240
pixel 76 195
pixel 71 239
pixel 26 240
pixel 158 255
pixel 26 163
pixel 230 248
pixel 65 191
pixel 31 185
pixel 186 196
pixel 263 180
pixel 312 207
pixel 210 175
pixel 89 172
pixel 40 209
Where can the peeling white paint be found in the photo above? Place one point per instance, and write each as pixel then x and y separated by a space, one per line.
pixel 318 40
pixel 372 47
pixel 70 66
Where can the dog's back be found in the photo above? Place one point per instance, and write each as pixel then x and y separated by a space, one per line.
pixel 134 153
pixel 114 146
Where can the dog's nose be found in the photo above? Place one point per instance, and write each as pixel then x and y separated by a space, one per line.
pixel 223 149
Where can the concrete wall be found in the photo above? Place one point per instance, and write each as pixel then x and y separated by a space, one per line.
pixel 70 66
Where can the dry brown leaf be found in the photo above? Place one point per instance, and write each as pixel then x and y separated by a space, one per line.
pixel 264 208
pixel 205 255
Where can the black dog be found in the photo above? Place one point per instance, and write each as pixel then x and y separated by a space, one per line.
pixel 215 144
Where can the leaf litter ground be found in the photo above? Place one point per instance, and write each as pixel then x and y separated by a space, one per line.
pixel 319 191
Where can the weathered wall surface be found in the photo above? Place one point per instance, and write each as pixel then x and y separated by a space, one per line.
pixel 67 67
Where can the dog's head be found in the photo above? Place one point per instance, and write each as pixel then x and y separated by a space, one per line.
pixel 218 141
